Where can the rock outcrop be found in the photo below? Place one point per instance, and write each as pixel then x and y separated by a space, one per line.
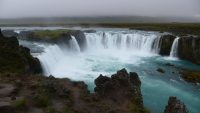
pixel 9 33
pixel 118 94
pixel 61 37
pixel 160 70
pixel 122 88
pixel 45 36
pixel 189 49
pixel 175 106
pixel 15 58
pixel 165 44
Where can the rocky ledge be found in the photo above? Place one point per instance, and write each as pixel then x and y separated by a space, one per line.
pixel 38 94
pixel 188 47
pixel 15 58
pixel 165 44
pixel 61 36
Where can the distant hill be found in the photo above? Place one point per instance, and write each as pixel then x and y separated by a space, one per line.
pixel 106 19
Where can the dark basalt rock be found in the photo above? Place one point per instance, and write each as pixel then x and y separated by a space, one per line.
pixel 122 87
pixel 189 49
pixel 24 35
pixel 175 106
pixel 9 33
pixel 62 38
pixel 160 70
pixel 90 31
pixel 169 64
pixel 165 43
pixel 15 58
pixel 1 34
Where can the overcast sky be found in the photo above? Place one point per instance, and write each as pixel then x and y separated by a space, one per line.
pixel 48 8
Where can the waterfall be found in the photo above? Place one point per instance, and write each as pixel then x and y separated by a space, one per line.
pixel 74 45
pixel 174 49
pixel 62 60
pixel 123 41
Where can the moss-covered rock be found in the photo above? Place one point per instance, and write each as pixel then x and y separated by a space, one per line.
pixel 15 58
pixel 191 76
pixel 62 36
pixel 50 36
pixel 165 44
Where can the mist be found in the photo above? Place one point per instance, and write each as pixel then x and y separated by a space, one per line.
pixel 85 8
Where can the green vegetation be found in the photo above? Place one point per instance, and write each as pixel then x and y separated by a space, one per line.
pixel 50 33
pixel 65 110
pixel 50 109
pixel 42 100
pixel 176 28
pixel 20 104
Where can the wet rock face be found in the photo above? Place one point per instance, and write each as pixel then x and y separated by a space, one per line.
pixel 175 106
pixel 165 43
pixel 189 49
pixel 121 87
pixel 15 58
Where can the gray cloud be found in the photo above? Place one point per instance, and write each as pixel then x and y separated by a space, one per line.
pixel 46 8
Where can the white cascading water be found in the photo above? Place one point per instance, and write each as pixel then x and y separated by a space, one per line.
pixel 174 49
pixel 56 59
pixel 123 42
pixel 74 45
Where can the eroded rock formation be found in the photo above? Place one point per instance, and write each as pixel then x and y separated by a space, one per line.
pixel 15 58
pixel 165 44
pixel 175 106
pixel 121 90
pixel 189 49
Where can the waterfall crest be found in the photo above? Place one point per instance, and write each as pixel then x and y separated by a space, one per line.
pixel 123 41
pixel 55 59
pixel 174 49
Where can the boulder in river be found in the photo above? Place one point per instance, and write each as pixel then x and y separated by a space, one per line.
pixel 161 70
pixel 175 106
pixel 122 88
